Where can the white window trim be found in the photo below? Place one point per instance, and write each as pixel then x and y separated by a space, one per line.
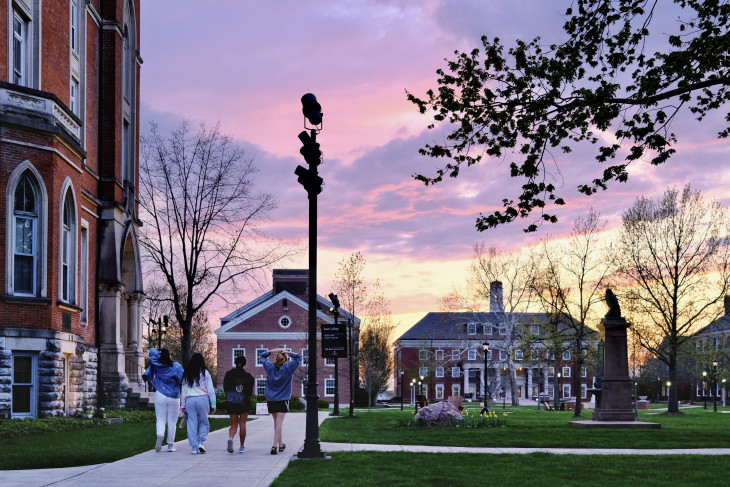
pixel 422 371
pixel 66 191
pixel 305 357
pixel 41 265
pixel 502 355
pixel 456 390
pixel 439 354
pixel 455 354
pixel 471 328
pixel 565 389
pixel 263 386
pixel 329 362
pixel 439 391
pixel 519 356
pixel 33 384
pixel 455 372
pixel 565 371
pixel 259 359
pixel 329 380
pixel 472 355
pixel 84 272
pixel 439 372
pixel 423 354
pixel 566 355
pixel 233 354
pixel 282 318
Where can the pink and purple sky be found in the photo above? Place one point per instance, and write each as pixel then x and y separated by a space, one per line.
pixel 246 64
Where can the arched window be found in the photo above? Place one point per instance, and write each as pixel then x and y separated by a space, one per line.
pixel 129 96
pixel 67 272
pixel 25 235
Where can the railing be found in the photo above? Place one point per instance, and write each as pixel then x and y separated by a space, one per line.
pixel 134 371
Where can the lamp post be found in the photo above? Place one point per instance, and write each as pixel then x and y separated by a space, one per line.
pixel 704 387
pixel 636 399
pixel 714 386
pixel 351 413
pixel 413 393
pixel 402 392
pixel 658 389
pixel 485 347
pixel 311 181
pixel 724 393
pixel 669 384
pixel 336 313
pixel 161 329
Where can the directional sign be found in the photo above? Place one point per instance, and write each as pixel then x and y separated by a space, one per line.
pixel 334 340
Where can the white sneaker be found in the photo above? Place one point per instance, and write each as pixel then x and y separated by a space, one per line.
pixel 195 451
pixel 171 448
pixel 201 448
pixel 242 449
pixel 158 444
pixel 230 445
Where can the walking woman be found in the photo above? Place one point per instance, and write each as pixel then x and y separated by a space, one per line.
pixel 165 376
pixel 198 397
pixel 278 389
pixel 238 386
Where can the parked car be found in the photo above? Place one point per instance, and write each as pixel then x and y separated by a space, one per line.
pixel 383 398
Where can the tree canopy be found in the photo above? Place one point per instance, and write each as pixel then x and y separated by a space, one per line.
pixel 535 101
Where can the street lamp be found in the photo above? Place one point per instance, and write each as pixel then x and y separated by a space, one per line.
pixel 485 347
pixel 704 387
pixel 413 392
pixel 402 392
pixel 714 385
pixel 161 329
pixel 724 393
pixel 336 313
pixel 420 386
pixel 669 384
pixel 312 183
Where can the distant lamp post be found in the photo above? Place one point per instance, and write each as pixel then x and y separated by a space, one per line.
pixel 161 329
pixel 704 387
pixel 413 393
pixel 335 310
pixel 485 347
pixel 636 398
pixel 714 385
pixel 420 386
pixel 669 385
pixel 724 393
pixel 402 392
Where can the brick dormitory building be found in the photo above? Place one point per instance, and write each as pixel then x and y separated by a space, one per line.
pixel 70 328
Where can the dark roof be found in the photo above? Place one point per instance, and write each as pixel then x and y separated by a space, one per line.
pixel 445 325
pixel 720 325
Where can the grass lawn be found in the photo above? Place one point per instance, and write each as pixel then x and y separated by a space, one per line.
pixel 533 470
pixel 525 427
pixel 697 428
pixel 87 446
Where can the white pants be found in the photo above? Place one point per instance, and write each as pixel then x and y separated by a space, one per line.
pixel 166 411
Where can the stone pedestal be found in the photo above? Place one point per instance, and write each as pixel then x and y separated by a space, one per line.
pixel 616 388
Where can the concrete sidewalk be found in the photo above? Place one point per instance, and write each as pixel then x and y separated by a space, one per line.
pixel 256 467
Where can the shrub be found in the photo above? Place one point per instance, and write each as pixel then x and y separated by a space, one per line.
pixel 296 404
pixel 322 404
pixel 16 428
pixel 132 415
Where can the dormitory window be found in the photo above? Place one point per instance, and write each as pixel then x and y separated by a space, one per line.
pixel 75 102
pixel 20 49
pixel 68 247
pixel 25 216
pixel 75 26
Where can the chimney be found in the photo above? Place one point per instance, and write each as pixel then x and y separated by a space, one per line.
pixel 495 297
pixel 727 305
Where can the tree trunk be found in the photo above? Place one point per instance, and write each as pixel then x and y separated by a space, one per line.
pixel 673 400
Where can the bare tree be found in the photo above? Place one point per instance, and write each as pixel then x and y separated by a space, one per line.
pixel 201 215
pixel 570 284
pixel 514 272
pixel 374 358
pixel 350 287
pixel 675 258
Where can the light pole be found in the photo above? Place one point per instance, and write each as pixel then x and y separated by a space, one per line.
pixel 402 392
pixel 704 387
pixel 724 393
pixel 413 393
pixel 336 313
pixel 351 413
pixel 485 347
pixel 160 330
pixel 669 384
pixel 714 386
pixel 311 181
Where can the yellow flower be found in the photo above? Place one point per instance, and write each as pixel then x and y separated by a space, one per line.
pixel 504 414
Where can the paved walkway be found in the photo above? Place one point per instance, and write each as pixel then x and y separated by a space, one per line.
pixel 255 467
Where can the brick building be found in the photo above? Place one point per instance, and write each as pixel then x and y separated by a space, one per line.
pixel 279 319
pixel 444 352
pixel 69 304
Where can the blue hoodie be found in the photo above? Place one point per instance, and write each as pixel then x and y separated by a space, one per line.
pixel 165 378
pixel 278 379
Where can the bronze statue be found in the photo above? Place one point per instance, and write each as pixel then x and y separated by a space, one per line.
pixel 614 310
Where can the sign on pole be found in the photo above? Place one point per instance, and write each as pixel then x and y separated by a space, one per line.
pixel 334 340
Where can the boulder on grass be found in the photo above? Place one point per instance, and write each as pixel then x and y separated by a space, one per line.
pixel 441 413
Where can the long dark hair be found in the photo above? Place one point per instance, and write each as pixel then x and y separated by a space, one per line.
pixel 195 370
pixel 165 357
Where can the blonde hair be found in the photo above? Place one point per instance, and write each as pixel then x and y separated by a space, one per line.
pixel 281 359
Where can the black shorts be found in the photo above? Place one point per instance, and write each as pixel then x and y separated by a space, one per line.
pixel 278 406
pixel 238 407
